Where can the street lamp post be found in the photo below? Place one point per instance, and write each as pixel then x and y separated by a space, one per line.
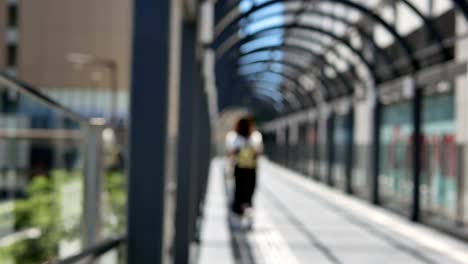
pixel 90 60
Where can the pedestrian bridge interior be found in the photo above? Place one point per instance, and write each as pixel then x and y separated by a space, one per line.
pixel 363 109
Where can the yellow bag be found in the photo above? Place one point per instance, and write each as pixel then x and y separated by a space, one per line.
pixel 246 158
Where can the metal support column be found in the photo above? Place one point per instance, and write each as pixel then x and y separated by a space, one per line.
pixel 148 131
pixel 330 145
pixel 417 149
pixel 197 147
pixel 205 146
pixel 323 143
pixel 375 153
pixel 185 188
pixel 350 152
pixel 287 146
pixel 93 177
pixel 316 151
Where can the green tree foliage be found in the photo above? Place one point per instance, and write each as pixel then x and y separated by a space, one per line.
pixel 116 200
pixel 41 210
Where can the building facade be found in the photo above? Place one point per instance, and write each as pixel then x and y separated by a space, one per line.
pixel 38 37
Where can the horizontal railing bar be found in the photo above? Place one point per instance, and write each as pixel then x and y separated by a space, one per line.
pixel 93 252
pixel 24 88
pixel 44 134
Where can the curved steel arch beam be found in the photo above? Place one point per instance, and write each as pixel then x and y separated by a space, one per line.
pixel 291 46
pixel 361 31
pixel 264 87
pixel 328 82
pixel 254 77
pixel 429 27
pixel 364 10
pixel 286 76
pixel 293 49
pixel 299 71
pixel 270 84
pixel 301 90
pixel 320 57
pixel 265 91
pixel 285 63
pixel 428 23
pixel 293 81
pixel 354 51
pixel 268 100
pixel 277 110
pixel 278 99
pixel 263 34
pixel 463 6
pixel 265 84
pixel 317 30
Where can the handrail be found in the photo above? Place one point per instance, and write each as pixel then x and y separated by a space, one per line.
pixel 41 134
pixel 27 89
pixel 92 252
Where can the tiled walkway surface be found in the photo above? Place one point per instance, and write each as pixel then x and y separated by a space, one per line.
pixel 299 221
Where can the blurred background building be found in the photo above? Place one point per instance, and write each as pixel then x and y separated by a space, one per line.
pixel 76 52
pixel 38 37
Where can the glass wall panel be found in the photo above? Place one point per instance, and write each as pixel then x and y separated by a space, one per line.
pixel 396 132
pixel 341 141
pixel 323 150
pixel 360 180
pixel 312 165
pixel 293 156
pixel 439 182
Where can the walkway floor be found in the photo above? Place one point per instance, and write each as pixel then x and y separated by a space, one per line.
pixel 299 221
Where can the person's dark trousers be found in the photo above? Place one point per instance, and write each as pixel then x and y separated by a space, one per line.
pixel 245 181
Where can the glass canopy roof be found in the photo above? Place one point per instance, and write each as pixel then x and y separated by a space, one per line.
pixel 297 54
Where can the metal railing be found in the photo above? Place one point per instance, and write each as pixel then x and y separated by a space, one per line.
pixel 28 122
pixel 29 90
pixel 93 252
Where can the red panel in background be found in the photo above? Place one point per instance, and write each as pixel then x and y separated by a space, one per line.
pixel 449 156
pixel 311 136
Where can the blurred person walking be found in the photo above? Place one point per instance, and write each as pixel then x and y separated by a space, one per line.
pixel 244 146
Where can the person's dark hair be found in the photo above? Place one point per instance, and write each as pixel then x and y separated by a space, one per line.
pixel 244 126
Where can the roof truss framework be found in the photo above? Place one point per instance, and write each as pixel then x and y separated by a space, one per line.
pixel 290 82
pixel 320 61
pixel 231 36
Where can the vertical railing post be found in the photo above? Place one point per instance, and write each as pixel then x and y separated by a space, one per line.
pixel 197 147
pixel 93 178
pixel 375 151
pixel 287 145
pixel 417 152
pixel 330 145
pixel 350 152
pixel 185 179
pixel 316 150
pixel 321 157
pixel 203 153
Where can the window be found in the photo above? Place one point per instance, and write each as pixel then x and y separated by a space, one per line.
pixel 11 55
pixel 12 16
